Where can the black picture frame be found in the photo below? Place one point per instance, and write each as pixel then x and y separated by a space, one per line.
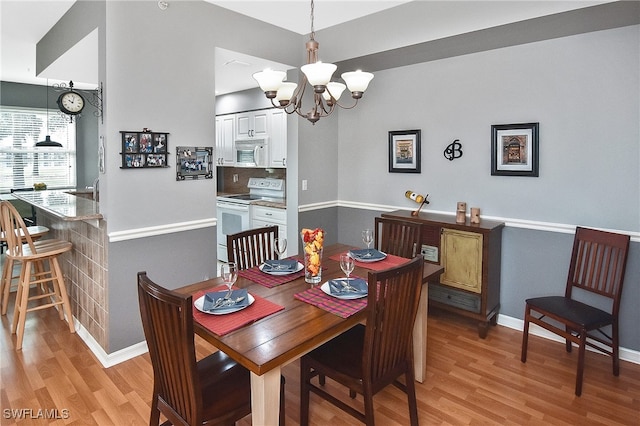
pixel 404 151
pixel 144 150
pixel 194 162
pixel 515 149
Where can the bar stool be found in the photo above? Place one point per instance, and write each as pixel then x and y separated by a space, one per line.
pixel 39 266
pixel 36 232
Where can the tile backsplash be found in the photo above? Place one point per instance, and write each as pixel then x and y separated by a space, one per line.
pixel 226 182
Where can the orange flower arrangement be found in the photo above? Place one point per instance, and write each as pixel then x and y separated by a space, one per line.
pixel 313 240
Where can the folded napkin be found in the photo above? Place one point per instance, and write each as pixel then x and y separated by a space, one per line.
pixel 211 299
pixel 283 265
pixel 355 286
pixel 367 254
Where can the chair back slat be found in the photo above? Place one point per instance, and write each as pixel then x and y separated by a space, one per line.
pixel 393 299
pixel 398 237
pixel 598 263
pixel 167 320
pixel 14 230
pixel 251 248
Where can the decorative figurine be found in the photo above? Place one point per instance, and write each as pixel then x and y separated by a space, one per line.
pixel 461 212
pixel 475 214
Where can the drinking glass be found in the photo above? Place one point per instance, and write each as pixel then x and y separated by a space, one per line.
pixel 280 245
pixel 347 264
pixel 367 237
pixel 229 273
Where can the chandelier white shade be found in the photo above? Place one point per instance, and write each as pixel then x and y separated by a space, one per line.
pixel 318 74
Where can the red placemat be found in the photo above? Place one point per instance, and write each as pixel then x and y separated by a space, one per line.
pixel 388 262
pixel 224 324
pixel 341 307
pixel 257 276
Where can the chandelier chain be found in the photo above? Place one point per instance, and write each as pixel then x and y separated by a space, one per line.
pixel 313 32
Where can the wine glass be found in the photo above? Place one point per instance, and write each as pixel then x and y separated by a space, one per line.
pixel 367 237
pixel 229 273
pixel 347 264
pixel 280 246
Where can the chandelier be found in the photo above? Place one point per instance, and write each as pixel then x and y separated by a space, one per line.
pixel 318 74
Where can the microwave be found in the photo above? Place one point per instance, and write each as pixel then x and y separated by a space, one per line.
pixel 251 153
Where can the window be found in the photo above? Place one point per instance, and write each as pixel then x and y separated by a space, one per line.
pixel 22 163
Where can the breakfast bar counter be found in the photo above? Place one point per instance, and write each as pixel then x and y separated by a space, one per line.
pixel 71 216
pixel 62 204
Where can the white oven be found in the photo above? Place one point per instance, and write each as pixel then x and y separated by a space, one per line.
pixel 234 211
pixel 232 218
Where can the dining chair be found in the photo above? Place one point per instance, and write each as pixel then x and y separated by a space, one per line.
pixel 398 237
pixel 596 271
pixel 251 248
pixel 39 265
pixel 367 358
pixel 214 390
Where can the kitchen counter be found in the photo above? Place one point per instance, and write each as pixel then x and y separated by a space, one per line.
pixel 274 204
pixel 62 204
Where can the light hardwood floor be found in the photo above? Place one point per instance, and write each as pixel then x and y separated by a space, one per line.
pixel 469 381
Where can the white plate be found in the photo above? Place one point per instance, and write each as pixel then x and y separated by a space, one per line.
pixel 325 288
pixel 200 301
pixel 298 269
pixel 365 260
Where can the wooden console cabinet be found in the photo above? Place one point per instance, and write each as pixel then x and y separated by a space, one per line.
pixel 470 254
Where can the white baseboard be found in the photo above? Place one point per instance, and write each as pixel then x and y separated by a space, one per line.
pixel 518 324
pixel 109 360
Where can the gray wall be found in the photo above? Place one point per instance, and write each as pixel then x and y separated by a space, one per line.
pixel 582 89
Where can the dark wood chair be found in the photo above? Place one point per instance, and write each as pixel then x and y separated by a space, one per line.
pixel 214 390
pixel 366 359
pixel 251 248
pixel 398 237
pixel 597 268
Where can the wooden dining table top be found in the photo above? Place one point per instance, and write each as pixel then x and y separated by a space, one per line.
pixel 284 336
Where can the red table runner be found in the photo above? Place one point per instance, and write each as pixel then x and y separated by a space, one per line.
pixel 257 276
pixel 341 307
pixel 224 324
pixel 386 263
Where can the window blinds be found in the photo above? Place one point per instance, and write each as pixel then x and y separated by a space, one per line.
pixel 22 163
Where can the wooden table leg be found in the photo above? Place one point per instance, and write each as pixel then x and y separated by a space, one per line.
pixel 420 336
pixel 265 398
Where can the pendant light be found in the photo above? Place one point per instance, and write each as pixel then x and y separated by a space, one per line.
pixel 47 142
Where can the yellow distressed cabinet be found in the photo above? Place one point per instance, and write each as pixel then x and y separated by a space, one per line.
pixel 462 259
pixel 470 254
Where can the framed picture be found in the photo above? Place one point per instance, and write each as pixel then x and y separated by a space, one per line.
pixel 194 162
pixel 144 149
pixel 404 151
pixel 514 149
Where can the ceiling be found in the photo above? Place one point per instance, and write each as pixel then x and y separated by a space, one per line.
pixel 24 22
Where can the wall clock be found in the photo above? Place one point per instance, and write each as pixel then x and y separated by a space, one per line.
pixel 71 102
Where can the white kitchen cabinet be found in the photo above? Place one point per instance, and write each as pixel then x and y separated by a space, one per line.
pixel 278 139
pixel 253 124
pixel 225 137
pixel 262 216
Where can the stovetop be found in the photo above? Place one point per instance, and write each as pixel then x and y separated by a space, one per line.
pixel 260 189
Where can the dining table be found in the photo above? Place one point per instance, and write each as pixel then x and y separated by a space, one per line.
pixel 293 318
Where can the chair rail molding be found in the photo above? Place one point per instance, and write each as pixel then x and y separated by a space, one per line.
pixel 564 228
